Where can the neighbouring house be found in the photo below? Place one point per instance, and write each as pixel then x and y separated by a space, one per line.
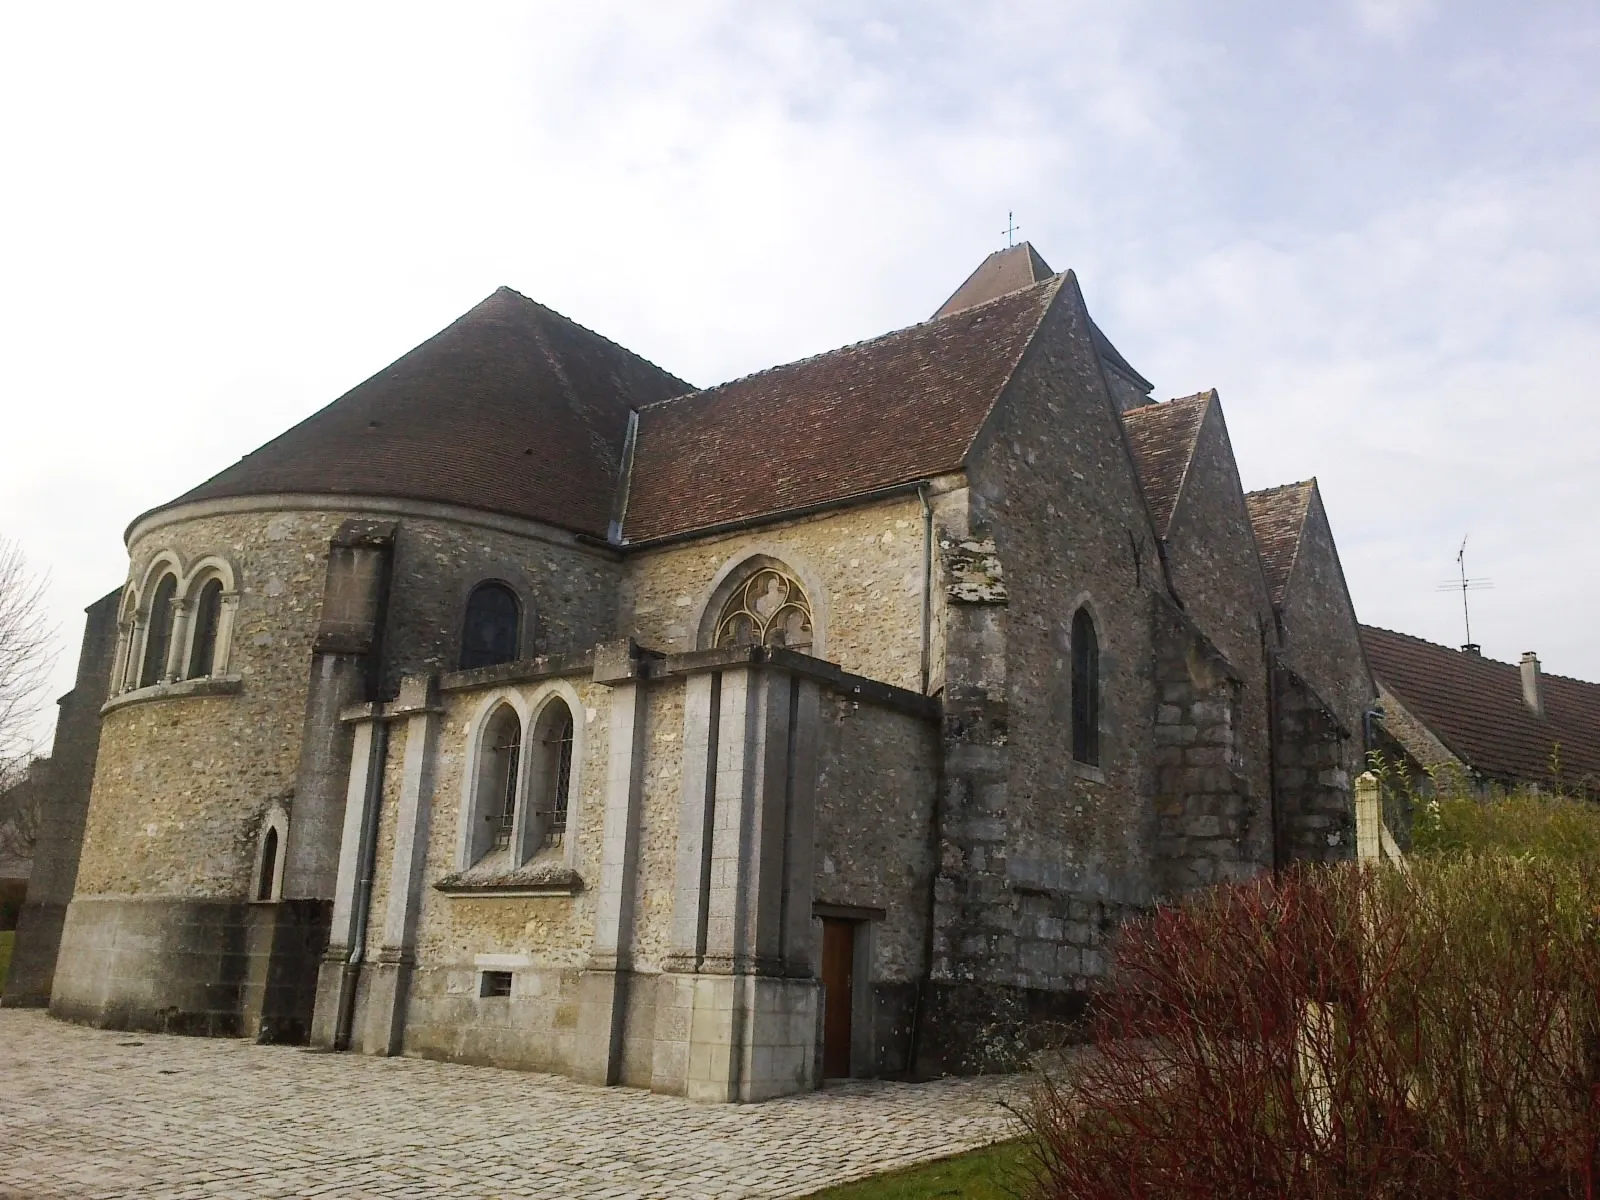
pixel 1485 722
pixel 529 706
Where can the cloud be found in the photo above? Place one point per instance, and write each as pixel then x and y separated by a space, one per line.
pixel 1382 251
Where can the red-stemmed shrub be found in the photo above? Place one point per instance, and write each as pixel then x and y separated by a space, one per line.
pixel 1344 1032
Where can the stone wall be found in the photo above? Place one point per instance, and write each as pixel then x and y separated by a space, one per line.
pixel 877 780
pixel 862 567
pixel 60 841
pixel 1035 847
pixel 1321 638
pixel 1316 813
pixel 1212 821
pixel 188 772
pixel 1216 573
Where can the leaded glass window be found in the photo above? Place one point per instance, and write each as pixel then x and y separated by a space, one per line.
pixel 768 609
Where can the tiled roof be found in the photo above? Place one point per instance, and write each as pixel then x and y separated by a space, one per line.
pixel 1474 706
pixel 1278 516
pixel 892 410
pixel 1162 438
pixel 511 409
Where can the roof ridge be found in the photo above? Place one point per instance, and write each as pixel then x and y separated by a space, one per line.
pixel 1282 487
pixel 1481 658
pixel 557 313
pixel 856 345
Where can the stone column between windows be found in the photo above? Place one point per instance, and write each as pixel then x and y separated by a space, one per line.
pixel 390 978
pixel 736 1010
pixel 604 985
pixel 178 641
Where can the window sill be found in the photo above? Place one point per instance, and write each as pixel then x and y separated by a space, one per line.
pixel 502 882
pixel 211 685
pixel 1085 771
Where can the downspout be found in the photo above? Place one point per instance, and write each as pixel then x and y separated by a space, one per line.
pixel 919 1003
pixel 372 802
pixel 927 585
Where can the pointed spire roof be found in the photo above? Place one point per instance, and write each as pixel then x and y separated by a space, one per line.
pixel 1163 439
pixel 1278 516
pixel 512 408
pixel 1017 267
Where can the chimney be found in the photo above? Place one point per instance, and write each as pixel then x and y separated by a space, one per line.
pixel 1531 695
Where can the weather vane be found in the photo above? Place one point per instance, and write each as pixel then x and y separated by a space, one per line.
pixel 1011 230
pixel 1466 585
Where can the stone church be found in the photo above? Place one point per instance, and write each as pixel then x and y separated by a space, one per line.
pixel 529 706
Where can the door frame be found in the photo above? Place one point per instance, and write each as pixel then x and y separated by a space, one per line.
pixel 863 1056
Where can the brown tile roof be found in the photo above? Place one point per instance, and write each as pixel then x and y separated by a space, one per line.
pixel 892 410
pixel 1162 438
pixel 512 409
pixel 1278 516
pixel 1474 706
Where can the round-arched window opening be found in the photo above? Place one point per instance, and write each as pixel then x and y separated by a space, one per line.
pixel 158 638
pixel 768 609
pixel 492 633
pixel 207 619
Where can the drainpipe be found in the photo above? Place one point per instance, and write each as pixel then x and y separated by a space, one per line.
pixel 927 585
pixel 372 802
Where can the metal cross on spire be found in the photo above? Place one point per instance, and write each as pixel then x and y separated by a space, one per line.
pixel 1011 230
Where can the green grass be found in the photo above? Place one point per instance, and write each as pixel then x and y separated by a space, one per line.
pixel 6 939
pixel 998 1172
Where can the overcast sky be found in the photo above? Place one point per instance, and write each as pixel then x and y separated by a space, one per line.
pixel 1374 226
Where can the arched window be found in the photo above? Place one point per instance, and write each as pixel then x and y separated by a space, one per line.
pixel 553 744
pixel 158 637
pixel 207 621
pixel 499 760
pixel 267 880
pixel 493 627
pixel 768 609
pixel 1085 689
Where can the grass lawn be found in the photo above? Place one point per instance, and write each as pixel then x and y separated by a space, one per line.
pixel 6 939
pixel 997 1172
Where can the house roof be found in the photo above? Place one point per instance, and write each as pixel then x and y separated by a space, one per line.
pixel 1474 706
pixel 512 408
pixel 1162 438
pixel 892 410
pixel 1278 516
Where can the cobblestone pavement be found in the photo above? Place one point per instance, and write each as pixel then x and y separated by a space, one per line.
pixel 88 1113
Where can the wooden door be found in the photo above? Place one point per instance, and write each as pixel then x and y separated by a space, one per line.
pixel 838 990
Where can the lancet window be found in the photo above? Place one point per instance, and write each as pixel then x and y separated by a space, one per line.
pixel 1085 689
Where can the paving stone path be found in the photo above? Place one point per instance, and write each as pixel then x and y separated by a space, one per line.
pixel 88 1113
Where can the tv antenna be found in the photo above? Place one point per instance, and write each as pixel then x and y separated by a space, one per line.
pixel 1465 585
pixel 1011 230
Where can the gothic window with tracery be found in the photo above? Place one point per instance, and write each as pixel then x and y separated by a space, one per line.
pixel 768 609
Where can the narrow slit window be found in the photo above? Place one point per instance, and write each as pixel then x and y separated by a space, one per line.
pixel 269 865
pixel 1085 689
pixel 561 752
pixel 499 768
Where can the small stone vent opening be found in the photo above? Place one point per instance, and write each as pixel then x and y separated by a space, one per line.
pixel 494 983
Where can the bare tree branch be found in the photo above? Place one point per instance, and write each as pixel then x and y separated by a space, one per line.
pixel 25 659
